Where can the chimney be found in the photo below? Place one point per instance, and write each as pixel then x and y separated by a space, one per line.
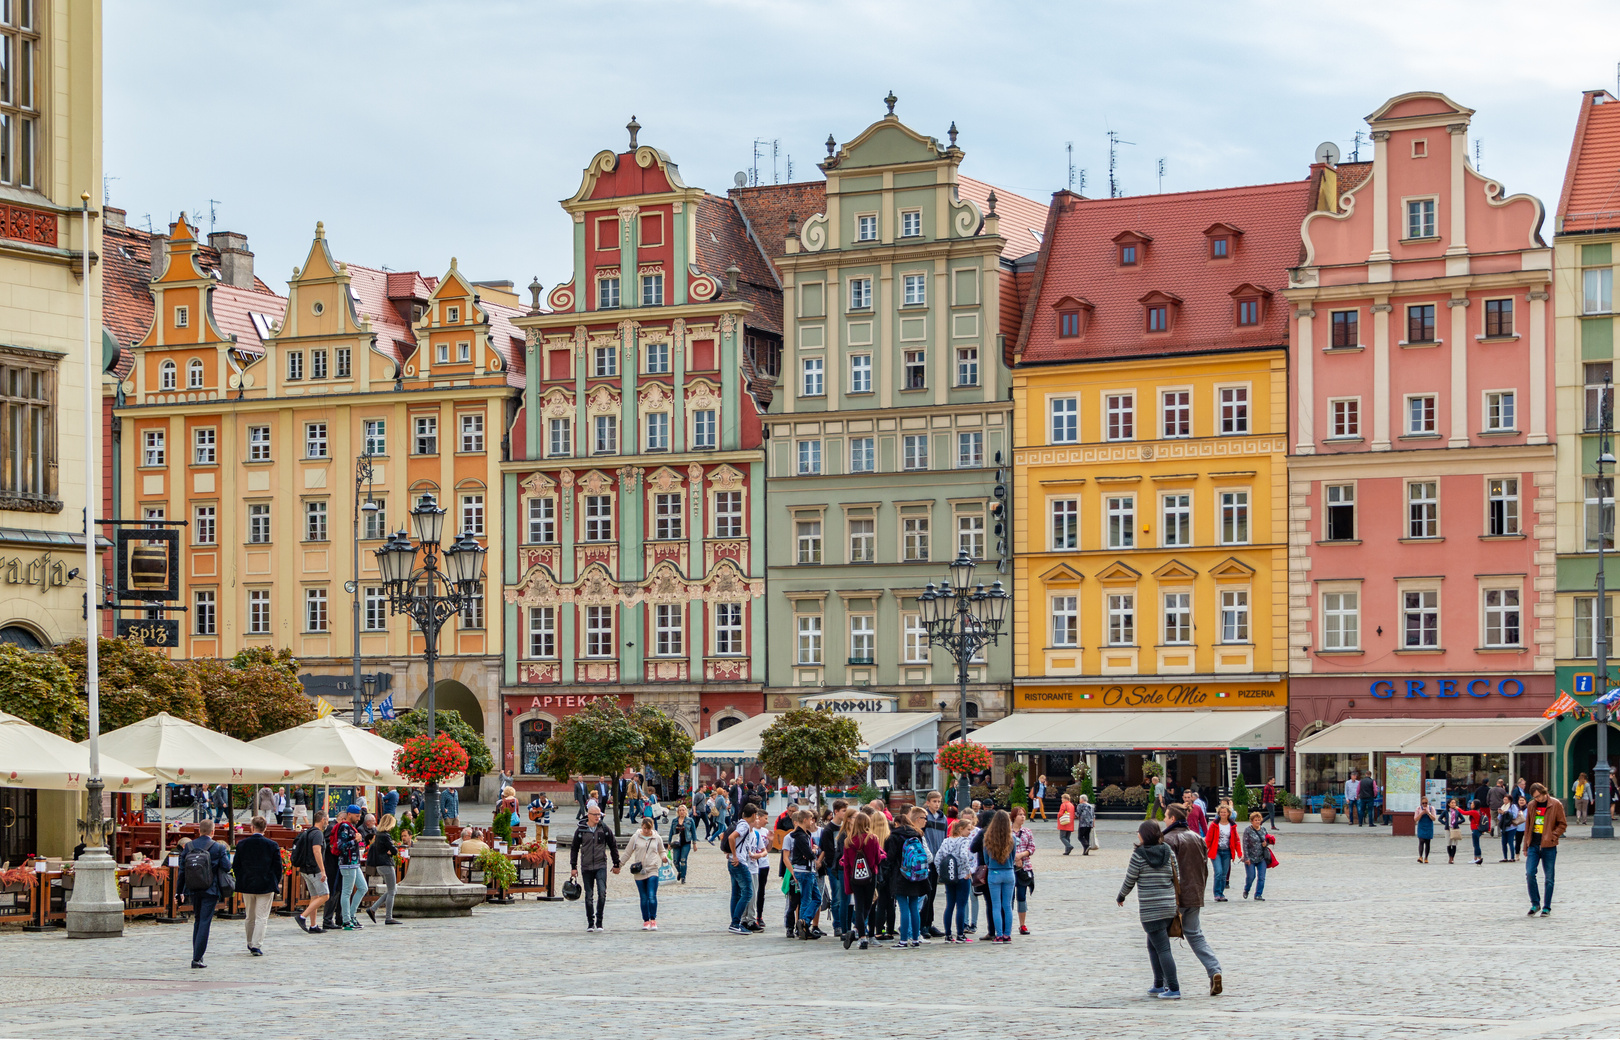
pixel 235 262
pixel 113 216
pixel 160 246
pixel 732 272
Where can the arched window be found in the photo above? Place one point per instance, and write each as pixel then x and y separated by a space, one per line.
pixel 194 374
pixel 724 724
pixel 532 737
pixel 166 375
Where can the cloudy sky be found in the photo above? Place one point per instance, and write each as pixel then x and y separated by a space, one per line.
pixel 421 131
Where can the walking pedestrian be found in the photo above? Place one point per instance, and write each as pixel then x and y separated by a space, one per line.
pixel 644 855
pixel 308 858
pixel 1153 872
pixel 1508 820
pixel 1352 798
pixel 934 833
pixel 735 846
pixel 1424 819
pixel 1197 819
pixel 205 867
pixel 220 799
pixel 802 857
pixel 719 815
pixel 344 844
pixel 859 864
pixel 1479 822
pixel 264 803
pixel 883 901
pixel 1366 792
pixel 1065 823
pixel 1453 820
pixel 257 866
pixel 1023 866
pixel 1224 844
pixel 581 796
pixel 682 834
pixel 1547 825
pixel 954 863
pixel 1583 797
pixel 1192 852
pixel 1038 798
pixel 997 847
pixel 1085 822
pixel 1520 818
pixel 1496 797
pixel 380 863
pixel 593 844
pixel 1256 857
pixel 1268 801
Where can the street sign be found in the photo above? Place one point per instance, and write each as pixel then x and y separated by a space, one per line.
pixel 1584 682
pixel 150 633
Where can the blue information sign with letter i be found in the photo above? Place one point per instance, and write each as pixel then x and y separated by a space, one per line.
pixel 1584 683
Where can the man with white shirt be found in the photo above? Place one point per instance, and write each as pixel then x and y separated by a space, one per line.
pixel 1351 788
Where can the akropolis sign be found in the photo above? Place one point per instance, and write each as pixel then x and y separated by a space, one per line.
pixel 1446 689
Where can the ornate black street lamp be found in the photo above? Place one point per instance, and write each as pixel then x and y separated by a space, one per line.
pixel 963 619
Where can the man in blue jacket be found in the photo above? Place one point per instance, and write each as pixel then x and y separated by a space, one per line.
pixel 203 863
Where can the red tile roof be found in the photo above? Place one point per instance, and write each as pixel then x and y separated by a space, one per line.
pixel 1079 259
pixel 1021 219
pixel 233 311
pixel 1590 200
pixel 507 338
pixel 373 301
pixel 126 275
pixel 723 240
pixel 777 211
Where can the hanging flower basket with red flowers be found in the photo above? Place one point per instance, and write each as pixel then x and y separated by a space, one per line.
pixel 429 761
pixel 963 756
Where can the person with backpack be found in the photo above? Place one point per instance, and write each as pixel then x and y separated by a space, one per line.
pixel 257 866
pixel 1065 823
pixel 344 844
pixel 205 868
pixel 741 869
pixel 593 844
pixel 307 860
pixel 1366 792
pixel 802 858
pixel 859 864
pixel 954 863
pixel 908 851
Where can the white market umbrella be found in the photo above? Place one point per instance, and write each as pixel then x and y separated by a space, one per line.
pixel 339 753
pixel 39 759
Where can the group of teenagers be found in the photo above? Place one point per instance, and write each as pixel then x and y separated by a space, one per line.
pixel 1531 824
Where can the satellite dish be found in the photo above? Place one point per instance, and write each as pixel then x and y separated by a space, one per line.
pixel 740 179
pixel 1327 153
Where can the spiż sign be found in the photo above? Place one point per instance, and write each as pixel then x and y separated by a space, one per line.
pixel 1446 689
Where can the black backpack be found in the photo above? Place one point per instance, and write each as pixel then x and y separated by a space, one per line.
pixel 198 867
pixel 303 859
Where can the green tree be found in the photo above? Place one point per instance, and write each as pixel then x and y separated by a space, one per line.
pixel 600 739
pixel 450 722
pixel 1019 795
pixel 252 699
pixel 806 747
pixel 263 655
pixel 137 682
pixel 1240 799
pixel 667 747
pixel 40 689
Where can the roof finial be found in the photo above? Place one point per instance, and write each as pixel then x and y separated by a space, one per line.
pixel 890 100
pixel 320 228
pixel 534 295
pixel 991 199
pixel 831 144
pixel 953 133
pixel 634 128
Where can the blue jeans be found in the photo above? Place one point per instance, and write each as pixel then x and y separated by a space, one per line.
pixel 647 889
pixel 958 894
pixel 1507 844
pixel 910 908
pixel 1478 854
pixel 1548 858
pixel 354 890
pixel 809 894
pixel 1223 873
pixel 1254 876
pixel 202 919
pixel 1001 899
pixel 678 855
pixel 635 809
pixel 838 903
pixel 1366 811
pixel 742 891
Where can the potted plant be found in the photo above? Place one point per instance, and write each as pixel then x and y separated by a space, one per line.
pixel 1329 810
pixel 530 858
pixel 1241 799
pixel 496 871
pixel 1292 809
pixel 145 882
pixel 17 886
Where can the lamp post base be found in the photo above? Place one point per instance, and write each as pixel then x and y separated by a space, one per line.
pixel 431 887
pixel 95 910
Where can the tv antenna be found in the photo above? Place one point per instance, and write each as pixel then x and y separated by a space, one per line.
pixel 790 167
pixel 1476 155
pixel 1114 142
pixel 211 214
pixel 753 171
pixel 1161 175
pixel 1077 178
pixel 106 188
pixel 1355 146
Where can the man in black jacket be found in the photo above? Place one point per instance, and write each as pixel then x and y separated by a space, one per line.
pixel 593 844
pixel 215 863
pixel 581 795
pixel 258 878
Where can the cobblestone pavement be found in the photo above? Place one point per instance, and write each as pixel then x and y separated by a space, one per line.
pixel 1355 939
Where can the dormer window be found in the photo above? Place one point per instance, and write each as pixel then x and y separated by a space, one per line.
pixel 1248 305
pixel 182 317
pixel 1072 316
pixel 1222 239
pixel 1218 248
pixel 452 315
pixel 1248 312
pixel 1132 247
pixel 1127 256
pixel 1158 318
pixel 1068 324
pixel 1158 311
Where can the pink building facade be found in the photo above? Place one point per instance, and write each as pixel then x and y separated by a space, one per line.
pixel 1421 478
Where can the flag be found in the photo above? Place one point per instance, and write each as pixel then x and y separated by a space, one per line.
pixel 386 708
pixel 371 719
pixel 322 709
pixel 1608 699
pixel 1564 703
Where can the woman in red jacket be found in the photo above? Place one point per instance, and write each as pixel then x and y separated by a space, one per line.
pixel 1224 844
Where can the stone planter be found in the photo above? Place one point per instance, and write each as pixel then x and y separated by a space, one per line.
pixel 1329 814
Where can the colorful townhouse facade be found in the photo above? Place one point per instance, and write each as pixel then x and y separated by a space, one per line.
pixel 635 492
pixel 1149 397
pixel 1422 497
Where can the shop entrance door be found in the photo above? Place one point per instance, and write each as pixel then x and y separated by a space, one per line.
pixel 18 812
pixel 1583 755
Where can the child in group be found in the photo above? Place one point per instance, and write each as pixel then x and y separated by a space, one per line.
pixel 1453 820
pixel 955 864
pixel 971 818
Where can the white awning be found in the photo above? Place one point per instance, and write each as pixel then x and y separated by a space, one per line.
pixel 1135 730
pixel 881 733
pixel 1426 737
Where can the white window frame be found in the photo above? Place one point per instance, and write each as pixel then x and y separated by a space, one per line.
pixel 316 445
pixel 1119 416
pixel 967 366
pixel 541 526
pixel 317 615
pixel 605 435
pixel 916 538
pixel 808 639
pixel 809 457
pixel 204 446
pixel 1340 618
pixel 866 227
pixel 1422 216
pixel 1177 625
pixel 1344 418
pixel 862 639
pixel 669 516
pixel 969 449
pixel 1232 409
pixel 1586 641
pixel 472 515
pixel 168 376
pixel 669 630
pixel 1121 611
pixel 1419 602
pixel 1501 615
pixel 728 629
pixel 597 513
pixel 1064 611
pixel 1119 521
pixel 1235 518
pixel 860 373
pixel 598 630
pixel 560 437
pixel 915 451
pixel 914 290
pixel 258 612
pixel 472 432
pixel 657 429
pixel 1422 508
pixel 705 429
pixel 1597 290
pixel 1064 530
pixel 914 639
pixel 1501 411
pixel 258 517
pixel 194 374
pixel 1235 619
pixel 863 455
pixel 1175 412
pixel 808 542
pixel 728 514
pixel 153 452
pixel 860 294
pixel 910 223
pixel 812 377
pixel 1502 499
pixel 1063 415
pixel 541 643
pixel 1419 424
pixel 972 536
pixel 1175 519
pixel 427 434
pixel 862 540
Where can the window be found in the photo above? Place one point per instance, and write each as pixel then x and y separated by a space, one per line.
pixel 809 458
pixel 1420 619
pixel 207 619
pixel 1121 513
pixel 1175 528
pixel 442 354
pixel 812 381
pixel 1065 523
pixel 1234 518
pixel 1068 324
pixel 1599 512
pixel 1346 330
pixel 599 518
pixel 203 531
pixel 258 612
pixel 808 533
pixel 259 523
pixel 1341 512
pixel 376 437
pixel 1599 390
pixel 1178 413
pixel 862 639
pixel 1585 637
pixel 258 444
pixel 182 317
pixel 152 454
pixel 315 521
pixel 1065 621
pixel 167 376
pixel 317 364
pixel 427 435
pixel 916 370
pixel 606 362
pixel 914 538
pixel 453 315
pixel 1498 318
pixel 860 294
pixel 1420 218
pixel 1121 416
pixel 1065 420
pixel 1341 621
pixel 704 428
pixel 1499 414
pixel 1420 414
pixel 1502 617
pixel 607 435
pixel 295 365
pixel 1597 291
pixel 862 455
pixel 668 638
pixel 376 519
pixel 652 294
pixel 1127 255
pixel 1218 247
pixel 342 356
pixel 728 514
pixel 728 631
pixel 542 521
pixel 1248 312
pixel 866 227
pixel 667 514
pixel 1121 619
pixel 1178 617
pixel 314 610
pixel 862 541
pixel 1420 323
pixel 1234 409
pixel 472 515
pixel 969 450
pixel 911 223
pixel 598 631
pixel 657 354
pixel 202 446
pixel 657 431
pixel 19 107
pixel 860 373
pixel 1502 499
pixel 967 366
pixel 915 451
pixel 315 440
pixel 1345 416
pixel 1234 615
pixel 809 638
pixel 153 515
pixel 562 437
pixel 194 374
pixel 1158 318
pixel 1423 509
pixel 607 293
pixel 374 609
pixel 915 288
pixel 472 432
pixel 915 639
pixel 970 535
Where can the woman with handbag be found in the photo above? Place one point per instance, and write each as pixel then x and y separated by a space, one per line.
pixel 1424 818
pixel 1256 857
pixel 1453 819
pixel 1023 869
pixel 682 836
pixel 1152 872
pixel 1223 844
pixel 643 856
pixel 1065 823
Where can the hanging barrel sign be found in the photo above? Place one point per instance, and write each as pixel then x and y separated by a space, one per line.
pixel 148 563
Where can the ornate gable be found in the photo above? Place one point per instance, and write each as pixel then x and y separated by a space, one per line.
pixel 1117 573
pixel 1175 570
